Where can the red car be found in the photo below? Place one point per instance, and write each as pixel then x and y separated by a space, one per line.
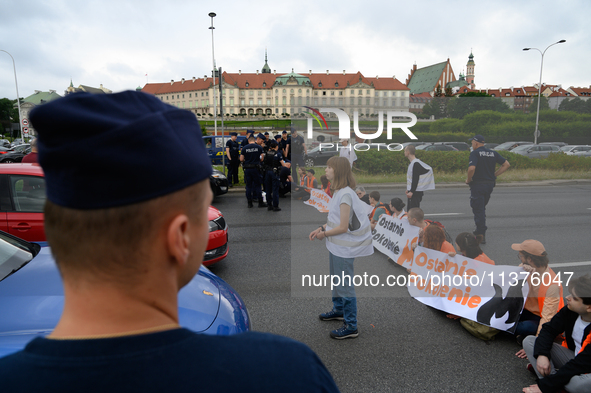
pixel 22 197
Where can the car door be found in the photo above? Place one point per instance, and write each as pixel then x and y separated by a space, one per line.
pixel 24 217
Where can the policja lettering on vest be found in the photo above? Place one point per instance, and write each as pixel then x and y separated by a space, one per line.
pixel 251 157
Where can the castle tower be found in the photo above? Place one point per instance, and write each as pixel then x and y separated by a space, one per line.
pixel 470 70
pixel 266 68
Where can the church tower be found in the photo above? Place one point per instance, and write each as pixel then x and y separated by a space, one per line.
pixel 470 70
pixel 266 68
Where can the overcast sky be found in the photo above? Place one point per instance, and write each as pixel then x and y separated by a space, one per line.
pixel 116 43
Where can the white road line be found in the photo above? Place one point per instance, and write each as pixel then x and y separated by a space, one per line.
pixel 570 264
pixel 443 214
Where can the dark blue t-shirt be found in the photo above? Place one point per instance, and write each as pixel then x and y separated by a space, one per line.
pixel 485 161
pixel 252 154
pixel 172 361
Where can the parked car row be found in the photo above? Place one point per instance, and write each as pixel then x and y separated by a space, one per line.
pixel 14 154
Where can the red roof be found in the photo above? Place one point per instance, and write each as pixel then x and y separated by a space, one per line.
pixel 585 91
pixel 387 84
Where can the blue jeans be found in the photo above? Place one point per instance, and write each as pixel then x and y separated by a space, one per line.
pixel 343 296
pixel 528 324
pixel 479 197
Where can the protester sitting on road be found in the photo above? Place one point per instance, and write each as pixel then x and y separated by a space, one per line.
pixel 566 367
pixel 360 191
pixel 378 208
pixel 469 246
pixel 285 179
pixel 299 191
pixel 434 238
pixel 325 185
pixel 543 301
pixel 397 208
pixel 416 217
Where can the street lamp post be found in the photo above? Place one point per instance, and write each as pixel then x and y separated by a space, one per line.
pixel 215 112
pixel 18 101
pixel 540 87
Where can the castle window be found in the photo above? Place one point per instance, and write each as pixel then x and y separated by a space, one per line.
pixel 246 84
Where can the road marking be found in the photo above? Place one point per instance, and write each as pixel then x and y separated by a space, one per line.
pixel 443 214
pixel 570 264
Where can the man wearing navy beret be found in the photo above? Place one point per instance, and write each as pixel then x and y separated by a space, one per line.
pixel 128 232
pixel 233 154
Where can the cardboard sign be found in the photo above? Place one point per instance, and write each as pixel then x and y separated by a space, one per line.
pixel 318 199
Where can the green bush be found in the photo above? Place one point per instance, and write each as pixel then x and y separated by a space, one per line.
pixel 387 162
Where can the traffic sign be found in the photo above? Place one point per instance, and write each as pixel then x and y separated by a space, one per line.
pixel 25 122
pixel 26 130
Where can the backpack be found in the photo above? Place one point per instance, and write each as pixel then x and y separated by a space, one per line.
pixel 440 225
pixel 478 330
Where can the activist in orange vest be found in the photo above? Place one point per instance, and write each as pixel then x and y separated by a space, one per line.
pixel 545 292
pixel 325 185
pixel 397 208
pixel 378 208
pixel 311 181
pixel 568 366
pixel 469 246
pixel 434 238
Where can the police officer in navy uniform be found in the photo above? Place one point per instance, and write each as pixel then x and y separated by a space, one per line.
pixel 295 152
pixel 261 141
pixel 233 155
pixel 245 141
pixel 251 157
pixel 481 178
pixel 273 162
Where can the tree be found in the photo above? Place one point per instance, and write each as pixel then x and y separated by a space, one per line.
pixel 544 105
pixel 575 105
pixel 472 102
pixel 8 113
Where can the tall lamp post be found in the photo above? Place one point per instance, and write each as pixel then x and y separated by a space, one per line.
pixel 18 101
pixel 540 87
pixel 215 111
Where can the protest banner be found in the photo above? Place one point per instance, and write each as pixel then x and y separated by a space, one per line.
pixel 488 294
pixel 394 237
pixel 318 199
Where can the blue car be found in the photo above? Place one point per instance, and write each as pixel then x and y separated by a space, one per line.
pixel 32 297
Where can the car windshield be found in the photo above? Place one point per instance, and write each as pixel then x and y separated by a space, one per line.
pixel 522 148
pixel 567 148
pixel 13 255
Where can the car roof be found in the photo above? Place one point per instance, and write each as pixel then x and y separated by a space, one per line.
pixel 21 169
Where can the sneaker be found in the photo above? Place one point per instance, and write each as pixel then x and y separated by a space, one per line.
pixel 344 332
pixel 331 316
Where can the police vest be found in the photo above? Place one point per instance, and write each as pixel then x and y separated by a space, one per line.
pixel 271 160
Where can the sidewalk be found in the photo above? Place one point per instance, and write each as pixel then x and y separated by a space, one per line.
pixel 402 186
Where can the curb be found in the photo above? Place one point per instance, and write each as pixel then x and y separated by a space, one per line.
pixel 538 183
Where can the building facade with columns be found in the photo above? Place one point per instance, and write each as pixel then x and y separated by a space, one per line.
pixel 270 94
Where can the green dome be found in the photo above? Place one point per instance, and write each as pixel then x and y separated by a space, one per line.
pixel 292 76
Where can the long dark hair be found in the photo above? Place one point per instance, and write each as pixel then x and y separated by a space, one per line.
pixel 469 244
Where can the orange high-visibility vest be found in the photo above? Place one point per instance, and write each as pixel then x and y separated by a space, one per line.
pixel 544 288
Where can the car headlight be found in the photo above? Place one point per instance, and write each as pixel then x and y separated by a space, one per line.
pixel 213 226
pixel 219 175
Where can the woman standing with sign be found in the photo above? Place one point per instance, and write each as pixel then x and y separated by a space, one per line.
pixel 348 236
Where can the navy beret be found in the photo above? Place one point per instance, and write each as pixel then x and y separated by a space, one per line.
pixel 277 137
pixel 233 134
pixel 99 150
pixel 284 132
pixel 273 144
pixel 262 136
pixel 266 133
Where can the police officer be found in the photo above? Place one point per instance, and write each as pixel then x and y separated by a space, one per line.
pixel 273 162
pixel 245 141
pixel 232 152
pixel 283 143
pixel 251 157
pixel 481 178
pixel 296 148
pixel 260 140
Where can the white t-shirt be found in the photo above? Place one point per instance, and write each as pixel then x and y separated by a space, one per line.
pixel 351 244
pixel 578 331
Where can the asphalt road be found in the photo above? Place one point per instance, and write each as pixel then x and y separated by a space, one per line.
pixel 403 345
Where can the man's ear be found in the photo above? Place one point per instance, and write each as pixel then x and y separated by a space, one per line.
pixel 178 239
